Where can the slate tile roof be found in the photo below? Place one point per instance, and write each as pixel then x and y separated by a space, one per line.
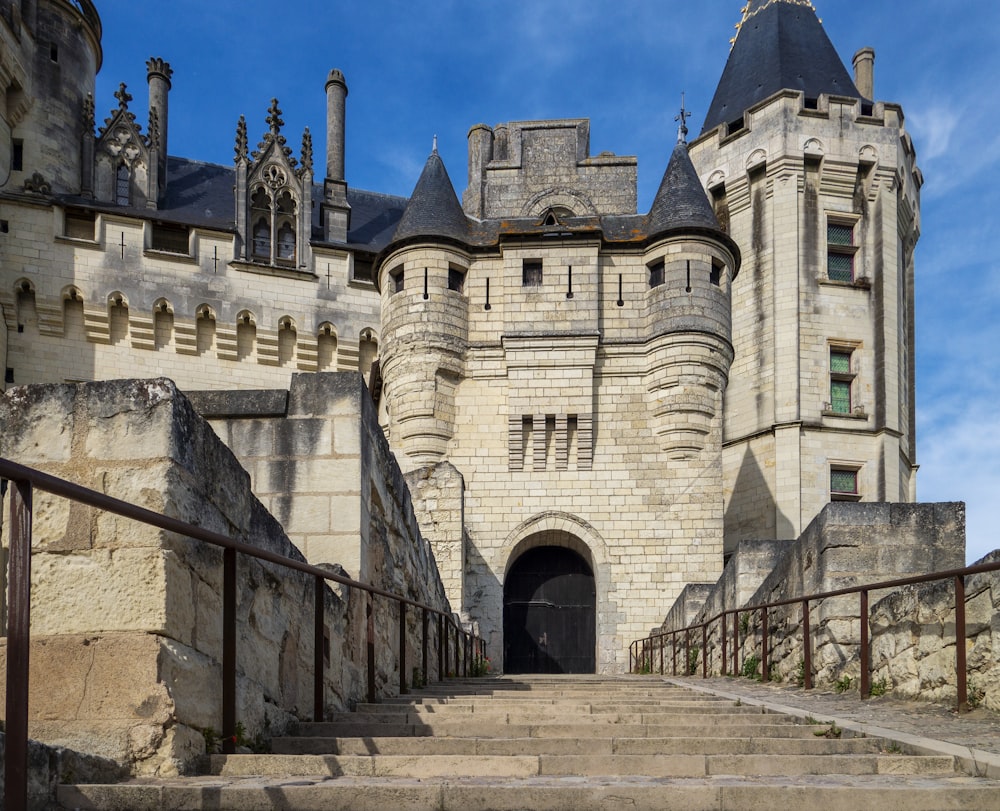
pixel 781 45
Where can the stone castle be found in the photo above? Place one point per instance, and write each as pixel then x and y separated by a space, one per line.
pixel 592 405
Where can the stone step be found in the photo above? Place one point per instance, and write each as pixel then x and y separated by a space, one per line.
pixel 542 716
pixel 836 793
pixel 429 765
pixel 582 746
pixel 783 728
pixel 556 707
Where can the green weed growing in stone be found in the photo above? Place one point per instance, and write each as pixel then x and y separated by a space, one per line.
pixel 879 687
pixel 843 684
pixel 750 666
pixel 800 673
pixel 693 660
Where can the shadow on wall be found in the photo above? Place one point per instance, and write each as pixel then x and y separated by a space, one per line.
pixel 751 511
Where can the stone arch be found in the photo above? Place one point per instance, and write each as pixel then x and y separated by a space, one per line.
pixel 26 307
pixel 557 197
pixel 74 324
pixel 287 340
pixel 163 323
pixel 757 159
pixel 367 349
pixel 246 334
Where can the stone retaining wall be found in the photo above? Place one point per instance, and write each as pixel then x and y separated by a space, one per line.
pixel 126 619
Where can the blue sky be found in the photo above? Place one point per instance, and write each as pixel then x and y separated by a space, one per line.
pixel 417 69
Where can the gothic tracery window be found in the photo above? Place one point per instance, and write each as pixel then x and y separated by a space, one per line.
pixel 272 225
pixel 123 182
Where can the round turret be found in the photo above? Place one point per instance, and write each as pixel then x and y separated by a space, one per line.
pixel 67 55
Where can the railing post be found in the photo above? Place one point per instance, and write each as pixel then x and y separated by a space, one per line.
pixel 423 647
pixel 704 651
pixel 736 644
pixel 403 688
pixel 765 657
pixel 442 648
pixel 807 664
pixel 725 660
pixel 687 652
pixel 661 654
pixel 961 672
pixel 370 613
pixel 458 646
pixel 631 656
pixel 18 646
pixel 673 645
pixel 229 651
pixel 465 652
pixel 319 654
pixel 866 654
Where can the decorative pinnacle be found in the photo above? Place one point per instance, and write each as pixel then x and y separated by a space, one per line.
pixel 307 151
pixel 682 116
pixel 123 96
pixel 241 139
pixel 434 148
pixel 88 113
pixel 274 118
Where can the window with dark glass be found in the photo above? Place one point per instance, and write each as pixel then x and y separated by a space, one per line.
pixel 656 273
pixel 531 273
pixel 456 279
pixel 123 185
pixel 841 381
pixel 840 251
pixel 844 484
pixel 169 237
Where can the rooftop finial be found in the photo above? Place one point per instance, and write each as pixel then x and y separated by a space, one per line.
pixel 682 116
pixel 435 147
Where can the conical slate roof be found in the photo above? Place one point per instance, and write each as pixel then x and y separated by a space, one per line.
pixel 681 201
pixel 433 210
pixel 781 45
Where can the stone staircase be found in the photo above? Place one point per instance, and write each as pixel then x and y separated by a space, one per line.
pixel 583 742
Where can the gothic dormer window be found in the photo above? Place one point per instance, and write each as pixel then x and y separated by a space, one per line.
pixel 276 189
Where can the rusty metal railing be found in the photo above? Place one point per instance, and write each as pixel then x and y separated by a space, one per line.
pixel 23 480
pixel 642 652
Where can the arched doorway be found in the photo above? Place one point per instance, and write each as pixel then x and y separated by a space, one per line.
pixel 549 613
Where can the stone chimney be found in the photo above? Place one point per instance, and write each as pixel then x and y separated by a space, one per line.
pixel 158 75
pixel 335 210
pixel 336 98
pixel 864 72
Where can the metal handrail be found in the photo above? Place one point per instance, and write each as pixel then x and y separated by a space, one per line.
pixel 25 479
pixel 641 651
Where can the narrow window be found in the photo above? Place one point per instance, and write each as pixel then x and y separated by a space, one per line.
pixel 123 184
pixel 655 273
pixel 396 279
pixel 531 273
pixel 844 484
pixel 17 156
pixel 840 251
pixel 54 52
pixel 286 243
pixel 260 206
pixel 456 279
pixel 841 380
pixel 716 274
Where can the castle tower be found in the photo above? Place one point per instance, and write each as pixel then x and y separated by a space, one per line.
pixel 50 52
pixel 820 187
pixel 425 318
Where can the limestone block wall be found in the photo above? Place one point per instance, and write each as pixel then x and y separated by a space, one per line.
pixel 127 619
pixel 913 641
pixel 106 305
pixel 848 544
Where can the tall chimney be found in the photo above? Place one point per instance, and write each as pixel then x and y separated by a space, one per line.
pixel 864 72
pixel 158 75
pixel 336 97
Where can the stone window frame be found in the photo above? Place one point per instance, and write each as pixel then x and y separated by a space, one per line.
pixel 397 280
pixel 849 472
pixel 274 226
pixel 456 278
pixel 166 237
pixel 123 184
pixel 842 248
pixel 843 379
pixel 657 269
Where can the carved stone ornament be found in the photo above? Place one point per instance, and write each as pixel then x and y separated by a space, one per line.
pixel 274 176
pixel 37 184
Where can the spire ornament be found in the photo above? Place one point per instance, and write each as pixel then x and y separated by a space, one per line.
pixel 682 116
pixel 241 139
pixel 273 135
pixel 153 132
pixel 307 151
pixel 123 96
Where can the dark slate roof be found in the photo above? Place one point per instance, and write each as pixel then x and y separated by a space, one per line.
pixel 201 194
pixel 433 210
pixel 781 46
pixel 681 201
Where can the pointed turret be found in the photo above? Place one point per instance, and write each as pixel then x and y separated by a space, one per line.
pixel 433 210
pixel 780 45
pixel 681 201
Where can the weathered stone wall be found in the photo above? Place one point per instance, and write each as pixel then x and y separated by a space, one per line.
pixel 127 619
pixel 848 544
pixel 913 639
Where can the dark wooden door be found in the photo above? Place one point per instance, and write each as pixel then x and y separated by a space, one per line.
pixel 549 613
